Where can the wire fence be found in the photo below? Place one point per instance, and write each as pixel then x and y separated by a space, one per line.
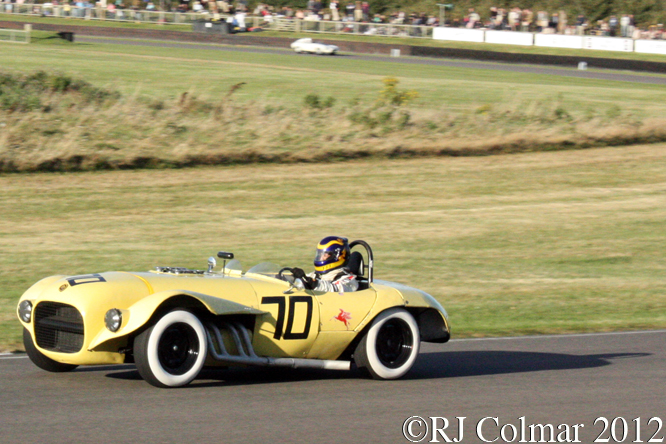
pixel 184 18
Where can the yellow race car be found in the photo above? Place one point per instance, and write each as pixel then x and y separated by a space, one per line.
pixel 173 321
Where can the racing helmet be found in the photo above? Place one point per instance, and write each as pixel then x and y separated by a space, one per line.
pixel 332 253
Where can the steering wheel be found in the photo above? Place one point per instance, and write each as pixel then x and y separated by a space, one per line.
pixel 284 278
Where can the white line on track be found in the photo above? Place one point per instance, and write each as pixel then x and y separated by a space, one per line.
pixel 12 356
pixel 573 335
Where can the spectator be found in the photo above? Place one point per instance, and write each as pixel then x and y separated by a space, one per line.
pixel 358 12
pixel 501 21
pixel 562 24
pixel 333 6
pixel 604 29
pixel 350 9
pixel 526 20
pixel 624 25
pixel 493 15
pixel 111 11
pixel 472 18
pixel 581 24
pixel 514 18
pixel 554 21
pixel 542 21
pixel 613 24
pixel 365 9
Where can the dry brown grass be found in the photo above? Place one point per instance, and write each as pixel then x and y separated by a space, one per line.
pixel 67 133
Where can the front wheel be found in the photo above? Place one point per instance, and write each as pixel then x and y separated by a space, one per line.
pixel 40 359
pixel 172 352
pixel 389 348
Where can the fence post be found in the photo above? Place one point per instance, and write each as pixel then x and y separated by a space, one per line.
pixel 28 29
pixel 297 28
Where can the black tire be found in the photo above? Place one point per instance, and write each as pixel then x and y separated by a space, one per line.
pixel 172 352
pixel 41 360
pixel 389 348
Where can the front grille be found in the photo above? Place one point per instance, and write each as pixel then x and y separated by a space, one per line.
pixel 58 327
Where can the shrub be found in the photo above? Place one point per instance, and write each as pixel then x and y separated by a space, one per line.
pixel 390 95
pixel 313 101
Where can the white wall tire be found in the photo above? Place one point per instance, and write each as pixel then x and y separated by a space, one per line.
pixel 391 345
pixel 172 352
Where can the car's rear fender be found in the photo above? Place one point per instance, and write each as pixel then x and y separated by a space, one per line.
pixel 139 315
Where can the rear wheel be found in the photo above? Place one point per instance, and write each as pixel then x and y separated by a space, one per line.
pixel 389 348
pixel 40 359
pixel 172 352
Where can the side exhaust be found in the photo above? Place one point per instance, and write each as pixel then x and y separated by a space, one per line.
pixel 247 356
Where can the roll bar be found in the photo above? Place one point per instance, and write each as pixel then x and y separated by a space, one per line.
pixel 369 267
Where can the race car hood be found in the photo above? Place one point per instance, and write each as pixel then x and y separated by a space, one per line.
pixel 137 296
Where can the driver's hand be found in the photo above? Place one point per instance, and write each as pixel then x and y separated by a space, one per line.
pixel 308 282
pixel 298 273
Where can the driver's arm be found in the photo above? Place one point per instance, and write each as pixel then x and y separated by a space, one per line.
pixel 345 283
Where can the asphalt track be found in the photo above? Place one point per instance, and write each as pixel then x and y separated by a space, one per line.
pixel 597 74
pixel 559 380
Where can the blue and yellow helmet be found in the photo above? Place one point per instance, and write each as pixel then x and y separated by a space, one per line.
pixel 332 253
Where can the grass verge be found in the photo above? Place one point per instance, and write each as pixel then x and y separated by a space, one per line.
pixel 522 244
pixel 53 121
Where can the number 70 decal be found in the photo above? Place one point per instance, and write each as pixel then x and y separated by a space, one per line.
pixel 281 303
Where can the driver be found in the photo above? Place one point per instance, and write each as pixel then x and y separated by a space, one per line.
pixel 331 274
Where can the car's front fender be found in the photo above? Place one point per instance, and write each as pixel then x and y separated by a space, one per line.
pixel 137 315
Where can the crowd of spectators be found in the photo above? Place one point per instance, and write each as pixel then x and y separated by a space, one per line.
pixel 352 11
pixel 525 20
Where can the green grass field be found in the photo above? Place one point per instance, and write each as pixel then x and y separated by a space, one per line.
pixel 168 72
pixel 457 109
pixel 546 242
pixel 517 244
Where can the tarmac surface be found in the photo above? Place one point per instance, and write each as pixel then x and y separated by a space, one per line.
pixel 566 382
pixel 598 74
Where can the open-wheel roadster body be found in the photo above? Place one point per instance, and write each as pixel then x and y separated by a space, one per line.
pixel 172 321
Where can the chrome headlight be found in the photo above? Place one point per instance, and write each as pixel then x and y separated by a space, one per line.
pixel 25 311
pixel 113 319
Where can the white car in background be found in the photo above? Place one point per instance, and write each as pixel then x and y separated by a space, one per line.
pixel 307 45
